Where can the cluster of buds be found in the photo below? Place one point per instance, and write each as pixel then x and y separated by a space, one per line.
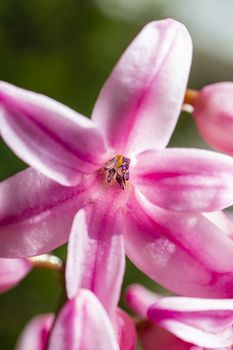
pixel 169 220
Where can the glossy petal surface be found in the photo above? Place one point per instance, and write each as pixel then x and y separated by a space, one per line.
pixel 223 220
pixel 203 322
pixel 182 179
pixel 185 253
pixel 12 271
pixel 96 257
pixel 49 136
pixel 83 324
pixel 35 334
pixel 36 213
pixel 139 104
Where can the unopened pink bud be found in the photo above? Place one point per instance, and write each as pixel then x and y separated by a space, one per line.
pixel 83 324
pixel 125 330
pixel 35 334
pixel 213 114
pixel 12 271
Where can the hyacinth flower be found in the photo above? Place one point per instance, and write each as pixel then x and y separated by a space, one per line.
pixel 194 323
pixel 12 271
pixel 213 114
pixel 82 324
pixel 86 323
pixel 153 337
pixel 111 182
pixel 35 334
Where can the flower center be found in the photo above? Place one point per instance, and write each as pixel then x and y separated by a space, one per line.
pixel 118 168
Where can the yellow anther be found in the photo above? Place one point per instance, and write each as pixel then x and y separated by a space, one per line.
pixel 119 158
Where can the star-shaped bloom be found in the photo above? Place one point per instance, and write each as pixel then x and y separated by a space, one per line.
pixel 110 182
pixel 205 323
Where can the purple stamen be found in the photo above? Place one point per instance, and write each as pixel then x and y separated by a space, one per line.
pixel 118 167
pixel 111 173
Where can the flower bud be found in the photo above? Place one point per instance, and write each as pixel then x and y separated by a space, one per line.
pixel 125 330
pixel 12 271
pixel 35 333
pixel 213 114
pixel 83 324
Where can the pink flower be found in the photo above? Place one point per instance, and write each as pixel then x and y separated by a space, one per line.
pixel 125 330
pixel 82 324
pixel 35 335
pixel 206 323
pixel 153 337
pixel 213 114
pixel 12 271
pixel 113 176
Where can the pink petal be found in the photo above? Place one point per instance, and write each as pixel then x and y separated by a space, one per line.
pixel 125 329
pixel 182 179
pixel 96 258
pixel 201 348
pixel 140 299
pixel 139 104
pixel 12 271
pixel 185 253
pixel 36 213
pixel 50 137
pixel 213 114
pixel 35 334
pixel 223 220
pixel 203 322
pixel 153 337
pixel 83 324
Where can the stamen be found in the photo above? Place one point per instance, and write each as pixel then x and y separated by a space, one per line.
pixel 118 167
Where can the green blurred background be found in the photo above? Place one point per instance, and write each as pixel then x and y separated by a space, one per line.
pixel 66 49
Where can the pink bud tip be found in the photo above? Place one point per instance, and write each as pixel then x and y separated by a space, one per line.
pixel 213 114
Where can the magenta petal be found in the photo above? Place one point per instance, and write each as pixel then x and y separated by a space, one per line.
pixel 153 337
pixel 49 136
pixel 36 213
pixel 125 329
pixel 185 253
pixel 96 258
pixel 139 104
pixel 12 271
pixel 35 334
pixel 223 220
pixel 140 299
pixel 182 179
pixel 83 324
pixel 201 348
pixel 203 322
